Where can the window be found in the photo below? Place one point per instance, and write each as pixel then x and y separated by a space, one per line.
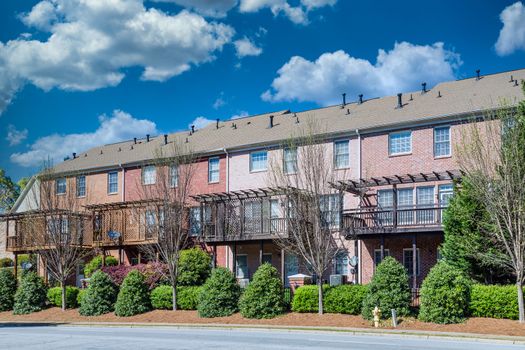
pixel 341 154
pixel 267 258
pixel 213 169
pixel 174 176
pixel 275 214
pixel 377 256
pixel 341 264
pixel 442 141
pixel 195 221
pixel 149 175
pixel 400 143
pixel 258 161
pixel 290 160
pixel 81 186
pixel 150 220
pixel 408 254
pixel 385 202
pixel 112 182
pixel 61 186
pixel 291 267
pixel 330 210
pixel 445 193
pixel 253 211
pixel 425 199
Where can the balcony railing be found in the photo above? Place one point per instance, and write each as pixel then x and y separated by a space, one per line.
pixel 265 228
pixel 372 220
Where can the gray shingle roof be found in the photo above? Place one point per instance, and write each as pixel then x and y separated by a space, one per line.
pixel 460 97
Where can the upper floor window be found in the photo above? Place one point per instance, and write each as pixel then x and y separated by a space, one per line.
pixel 290 160
pixel 341 154
pixel 400 143
pixel 81 186
pixel 259 161
pixel 213 169
pixel 330 210
pixel 149 175
pixel 112 182
pixel 195 221
pixel 442 141
pixel 61 186
pixel 174 176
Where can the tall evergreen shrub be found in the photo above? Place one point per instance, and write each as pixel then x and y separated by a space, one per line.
pixel 219 296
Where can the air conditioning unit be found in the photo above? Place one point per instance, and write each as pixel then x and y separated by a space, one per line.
pixel 336 280
pixel 243 282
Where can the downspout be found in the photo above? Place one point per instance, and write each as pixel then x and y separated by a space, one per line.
pixel 123 195
pixel 227 189
pixel 359 175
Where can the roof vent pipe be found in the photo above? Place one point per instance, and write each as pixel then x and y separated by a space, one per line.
pixel 192 129
pixel 439 93
pixel 423 88
pixel 344 100
pixel 74 155
pixel 511 79
pixel 360 98
pixel 515 82
pixel 217 124
pixel 135 140
pixel 477 74
pixel 147 138
pixel 400 100
pixel 271 122
pixel 165 139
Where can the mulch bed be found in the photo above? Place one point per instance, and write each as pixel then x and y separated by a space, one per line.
pixel 474 325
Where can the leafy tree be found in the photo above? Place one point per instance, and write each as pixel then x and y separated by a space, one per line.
pixel 7 289
pixel 22 183
pixel 9 192
pixel 264 296
pixel 133 297
pixel 100 296
pixel 388 290
pixel 219 295
pixel 30 295
pixel 194 267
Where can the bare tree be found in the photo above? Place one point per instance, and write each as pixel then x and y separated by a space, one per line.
pixel 304 173
pixel 165 215
pixel 492 155
pixel 59 231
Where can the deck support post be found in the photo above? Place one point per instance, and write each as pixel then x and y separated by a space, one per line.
pixel 414 262
pixel 214 255
pixel 394 202
pixel 235 259
pixel 261 248
pixel 16 265
pixel 283 272
pixel 382 247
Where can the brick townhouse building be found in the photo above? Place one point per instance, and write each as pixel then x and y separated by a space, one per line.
pixel 395 157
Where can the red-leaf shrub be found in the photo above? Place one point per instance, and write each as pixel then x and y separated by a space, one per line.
pixel 154 273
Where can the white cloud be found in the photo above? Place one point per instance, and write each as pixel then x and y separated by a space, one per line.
pixel 201 122
pixel 15 136
pixel 245 47
pixel 512 35
pixel 117 127
pixel 241 114
pixel 91 42
pixel 401 69
pixel 297 14
pixel 219 102
pixel 210 8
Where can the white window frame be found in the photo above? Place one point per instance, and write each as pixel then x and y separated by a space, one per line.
pixel 78 188
pixel 449 141
pixel 337 155
pixel 58 185
pixel 112 183
pixel 214 172
pixel 174 175
pixel 390 153
pixel 147 177
pixel 418 262
pixel 252 154
pixel 340 260
pixel 290 152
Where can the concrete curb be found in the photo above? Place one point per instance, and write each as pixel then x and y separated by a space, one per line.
pixel 354 331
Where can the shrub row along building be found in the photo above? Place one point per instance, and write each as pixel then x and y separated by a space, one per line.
pixel 394 158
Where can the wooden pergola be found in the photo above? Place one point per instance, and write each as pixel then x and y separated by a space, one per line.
pixel 241 194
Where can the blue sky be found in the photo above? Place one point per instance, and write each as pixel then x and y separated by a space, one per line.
pixel 72 77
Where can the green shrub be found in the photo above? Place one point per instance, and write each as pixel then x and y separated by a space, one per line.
pixel 7 290
pixel 494 301
pixel 133 297
pixel 96 263
pixel 194 267
pixel 388 290
pixel 30 295
pixel 6 262
pixel 54 296
pixel 23 258
pixel 306 298
pixel 80 296
pixel 99 298
pixel 219 295
pixel 345 299
pixel 445 295
pixel 264 296
pixel 187 297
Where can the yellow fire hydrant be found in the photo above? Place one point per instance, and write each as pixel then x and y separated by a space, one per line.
pixel 377 314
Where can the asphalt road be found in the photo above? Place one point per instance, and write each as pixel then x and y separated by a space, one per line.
pixel 108 338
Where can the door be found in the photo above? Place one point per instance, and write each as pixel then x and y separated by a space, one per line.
pixel 405 202
pixel 445 194
pixel 425 199
pixel 242 266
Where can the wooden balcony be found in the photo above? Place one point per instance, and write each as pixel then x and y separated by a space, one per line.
pixel 374 220
pixel 261 229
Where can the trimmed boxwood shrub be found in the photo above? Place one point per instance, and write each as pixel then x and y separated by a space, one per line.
pixel 99 298
pixel 445 295
pixel 133 297
pixel 187 297
pixel 80 296
pixel 30 295
pixel 96 263
pixel 306 298
pixel 54 296
pixel 494 301
pixel 345 299
pixel 7 290
pixel 219 295
pixel 264 296
pixel 388 290
pixel 194 267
